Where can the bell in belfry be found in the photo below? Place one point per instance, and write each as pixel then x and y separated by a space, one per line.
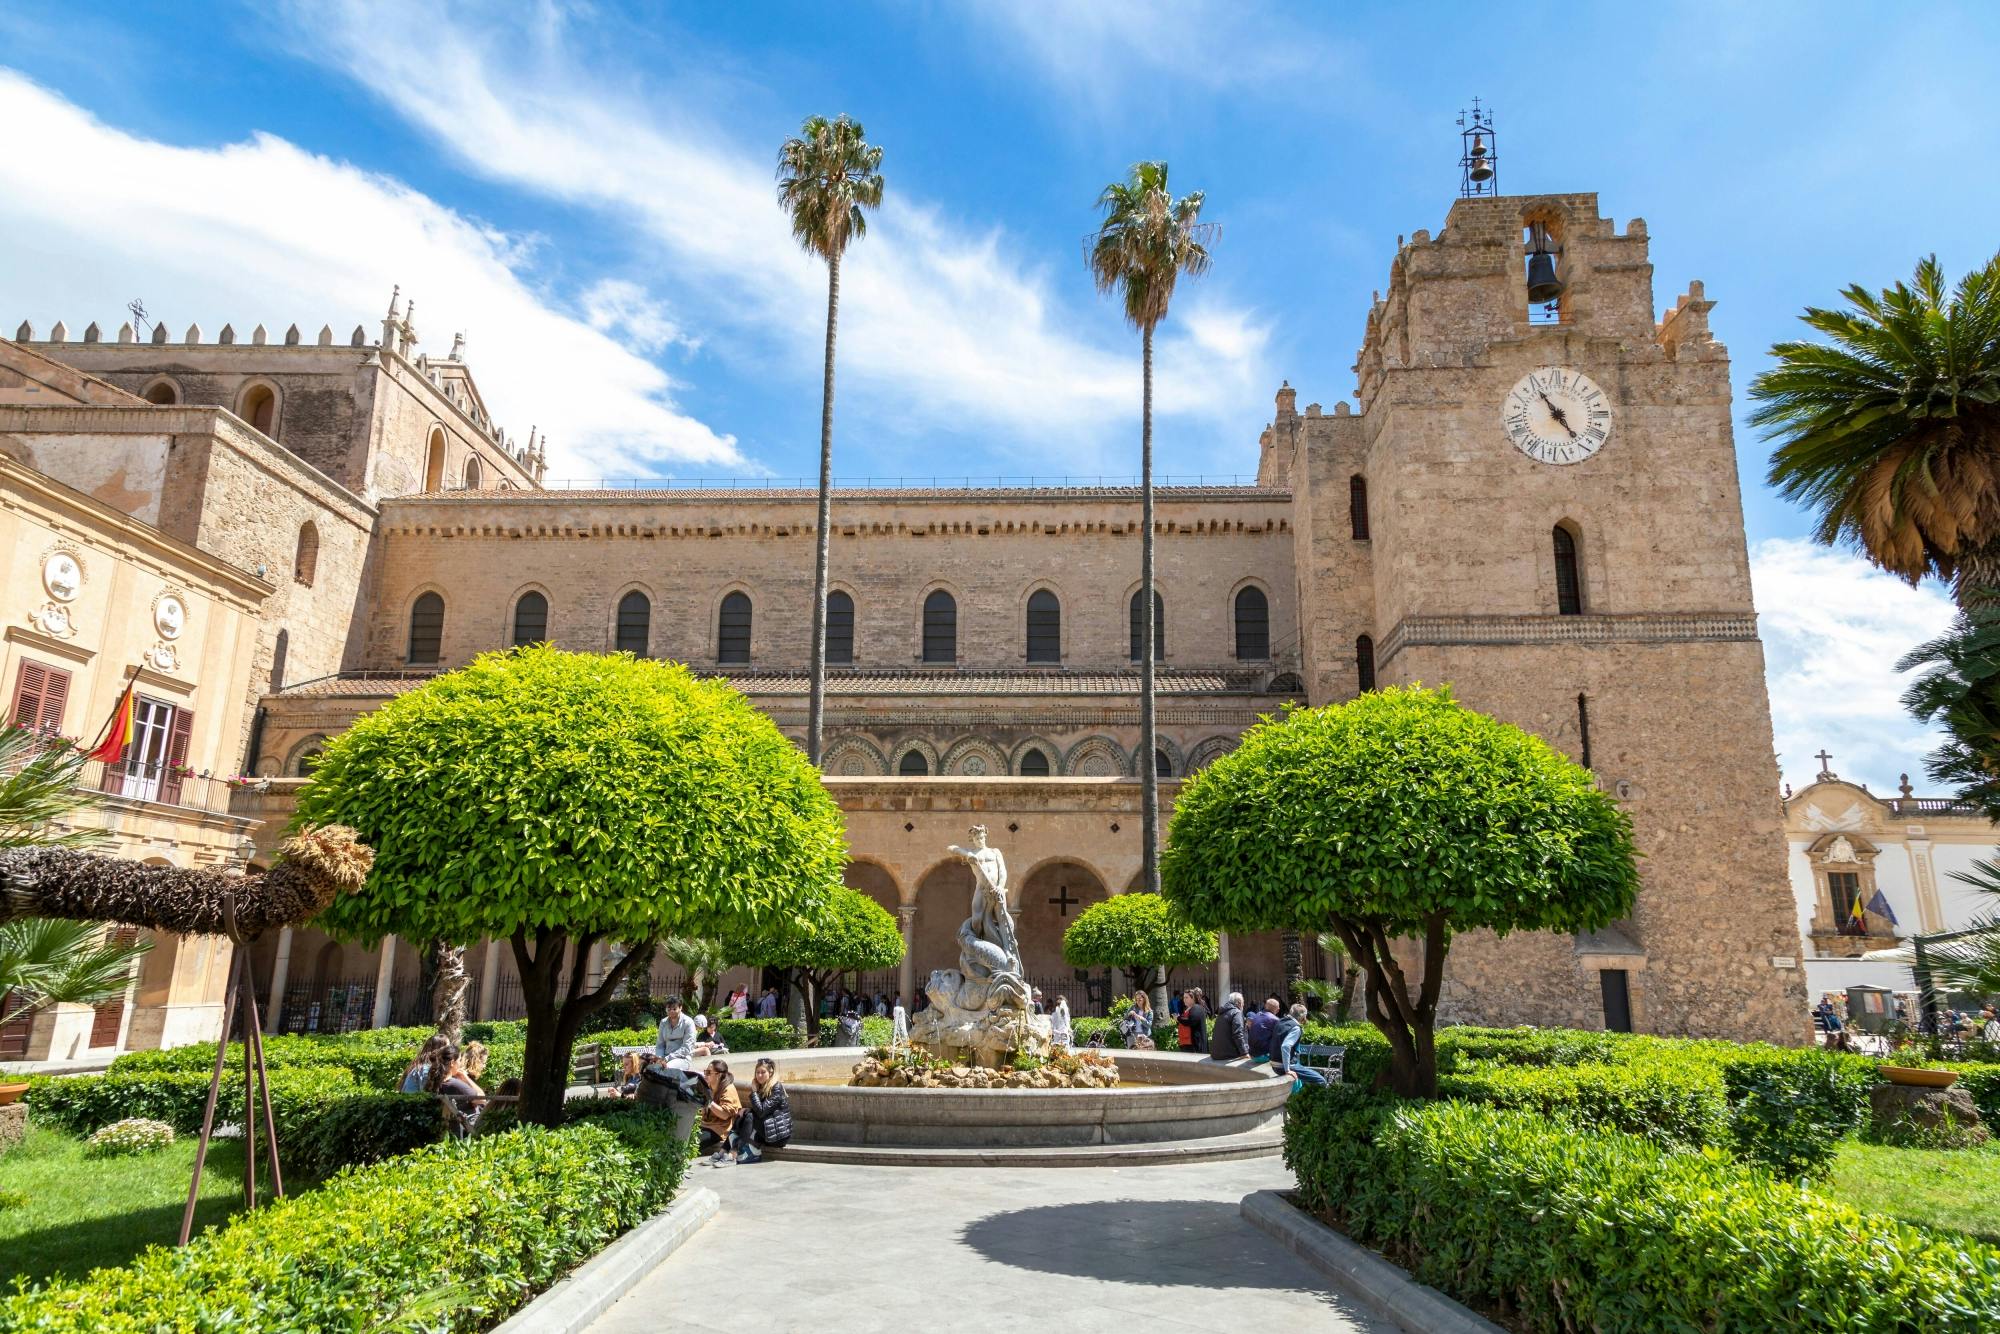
pixel 1543 284
pixel 1479 166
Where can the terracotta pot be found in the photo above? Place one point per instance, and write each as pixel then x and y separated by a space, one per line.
pixel 1928 1079
pixel 12 1092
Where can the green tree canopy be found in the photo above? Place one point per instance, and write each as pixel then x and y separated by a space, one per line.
pixel 550 798
pixel 1401 813
pixel 849 933
pixel 1136 932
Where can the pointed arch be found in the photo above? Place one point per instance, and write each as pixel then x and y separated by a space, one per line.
pixel 257 404
pixel 1051 756
pixel 531 618
pixel 434 460
pixel 854 757
pixel 974 757
pixel 305 554
pixel 1168 760
pixel 915 758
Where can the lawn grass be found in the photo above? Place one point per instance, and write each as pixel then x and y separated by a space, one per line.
pixel 1957 1189
pixel 82 1213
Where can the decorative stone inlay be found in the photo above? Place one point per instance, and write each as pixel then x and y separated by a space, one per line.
pixel 62 575
pixel 1645 628
pixel 169 615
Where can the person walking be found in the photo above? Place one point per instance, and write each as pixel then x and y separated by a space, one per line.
pixel 1231 1042
pixel 739 1003
pixel 1195 1019
pixel 1059 1031
pixel 1284 1043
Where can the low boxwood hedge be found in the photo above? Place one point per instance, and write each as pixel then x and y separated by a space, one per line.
pixel 79 1104
pixel 1563 1229
pixel 448 1238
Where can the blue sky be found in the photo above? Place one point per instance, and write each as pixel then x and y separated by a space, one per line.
pixel 585 192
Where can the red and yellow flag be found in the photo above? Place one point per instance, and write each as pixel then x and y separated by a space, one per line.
pixel 118 731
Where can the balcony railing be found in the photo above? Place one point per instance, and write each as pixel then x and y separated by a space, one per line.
pixel 161 784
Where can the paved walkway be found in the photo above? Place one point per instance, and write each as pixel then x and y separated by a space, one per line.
pixel 833 1249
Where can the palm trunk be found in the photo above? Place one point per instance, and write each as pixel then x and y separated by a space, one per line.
pixel 1149 774
pixel 448 995
pixel 823 535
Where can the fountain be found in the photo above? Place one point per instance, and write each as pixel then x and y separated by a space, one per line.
pixel 981 1012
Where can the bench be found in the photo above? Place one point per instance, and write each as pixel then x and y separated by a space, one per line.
pixel 1330 1059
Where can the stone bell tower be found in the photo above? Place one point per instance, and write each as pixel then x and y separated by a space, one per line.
pixel 1538 505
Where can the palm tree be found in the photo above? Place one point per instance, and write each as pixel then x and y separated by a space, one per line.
pixel 1972 962
pixel 49 961
pixel 1145 242
pixel 38 789
pixel 1959 690
pixel 1890 433
pixel 827 176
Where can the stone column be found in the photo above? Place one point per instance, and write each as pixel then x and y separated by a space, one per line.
pixel 489 980
pixel 906 980
pixel 281 967
pixel 385 973
pixel 1221 971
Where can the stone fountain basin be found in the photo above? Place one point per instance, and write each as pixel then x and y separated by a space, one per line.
pixel 1171 1097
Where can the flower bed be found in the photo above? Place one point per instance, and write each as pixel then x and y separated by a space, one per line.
pixel 451 1237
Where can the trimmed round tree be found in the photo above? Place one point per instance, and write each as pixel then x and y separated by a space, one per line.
pixel 848 933
pixel 555 800
pixel 1401 814
pixel 1138 933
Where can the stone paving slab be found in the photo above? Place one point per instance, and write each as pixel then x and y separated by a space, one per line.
pixel 833 1249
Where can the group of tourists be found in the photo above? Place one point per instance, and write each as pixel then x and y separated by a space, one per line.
pixel 445 1070
pixel 1271 1033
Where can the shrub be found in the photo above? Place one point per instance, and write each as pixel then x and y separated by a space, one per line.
pixel 365 1128
pixel 80 1104
pixel 133 1135
pixel 1529 1046
pixel 1983 1083
pixel 452 1237
pixel 1563 1230
pixel 1789 1110
pixel 1679 1105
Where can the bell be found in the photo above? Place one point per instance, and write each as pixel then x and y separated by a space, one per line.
pixel 1543 285
pixel 1480 168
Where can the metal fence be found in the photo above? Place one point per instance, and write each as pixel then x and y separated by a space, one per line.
pixel 328 1007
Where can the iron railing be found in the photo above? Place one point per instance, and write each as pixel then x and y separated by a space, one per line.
pixel 163 784
pixel 1030 481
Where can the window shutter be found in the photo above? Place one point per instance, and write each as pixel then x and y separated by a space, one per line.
pixel 39 697
pixel 177 749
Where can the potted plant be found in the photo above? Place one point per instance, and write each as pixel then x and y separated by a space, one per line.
pixel 11 1092
pixel 1909 1066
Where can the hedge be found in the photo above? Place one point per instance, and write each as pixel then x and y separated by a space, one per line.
pixel 1678 1106
pixel 79 1104
pixel 1560 1229
pixel 453 1237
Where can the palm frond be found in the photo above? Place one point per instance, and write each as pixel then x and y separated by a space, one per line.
pixel 1146 241
pixel 60 961
pixel 38 788
pixel 828 177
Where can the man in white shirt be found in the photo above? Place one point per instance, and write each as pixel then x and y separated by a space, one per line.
pixel 676 1042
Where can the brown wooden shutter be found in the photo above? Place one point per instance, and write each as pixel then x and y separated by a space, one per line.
pixel 177 749
pixel 110 1016
pixel 55 695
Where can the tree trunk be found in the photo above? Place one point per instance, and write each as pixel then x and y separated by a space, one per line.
pixel 61 882
pixel 448 996
pixel 1409 1023
pixel 1149 774
pixel 1295 965
pixel 556 1011
pixel 823 535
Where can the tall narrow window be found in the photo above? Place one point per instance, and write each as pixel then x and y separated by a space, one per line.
pixel 1364 664
pixel 531 618
pixel 1044 627
pixel 1253 624
pixel 1357 506
pixel 305 556
pixel 474 475
pixel 1159 627
pixel 280 650
pixel 1569 588
pixel 1162 766
pixel 940 627
pixel 1035 763
pixel 1583 726
pixel 732 637
pixel 839 628
pixel 635 623
pixel 39 695
pixel 426 628
pixel 913 764
pixel 434 462
pixel 1844 888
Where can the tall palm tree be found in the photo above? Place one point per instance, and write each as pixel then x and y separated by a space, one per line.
pixel 1958 689
pixel 827 177
pixel 1890 432
pixel 1146 241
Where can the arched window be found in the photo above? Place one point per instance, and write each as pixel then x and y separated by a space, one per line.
pixel 531 619
pixel 259 407
pixel 732 631
pixel 940 627
pixel 913 764
pixel 426 628
pixel 1159 626
pixel 1253 624
pixel 1035 763
pixel 1569 587
pixel 434 462
pixel 1163 767
pixel 839 628
pixel 307 758
pixel 162 392
pixel 473 473
pixel 635 624
pixel 1364 664
pixel 305 557
pixel 1044 627
pixel 281 649
pixel 1357 506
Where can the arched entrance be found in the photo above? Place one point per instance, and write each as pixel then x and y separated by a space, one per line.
pixel 1045 903
pixel 944 896
pixel 876 882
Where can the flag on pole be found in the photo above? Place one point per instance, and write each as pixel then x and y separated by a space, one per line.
pixel 1879 905
pixel 118 730
pixel 1855 913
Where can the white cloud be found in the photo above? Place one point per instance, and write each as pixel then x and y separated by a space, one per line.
pixel 263 231
pixel 1834 627
pixel 942 325
pixel 615 305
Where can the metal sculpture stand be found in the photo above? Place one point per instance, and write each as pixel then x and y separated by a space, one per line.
pixel 239 1002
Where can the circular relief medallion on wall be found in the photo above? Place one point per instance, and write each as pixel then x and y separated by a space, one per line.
pixel 62 576
pixel 169 615
pixel 973 765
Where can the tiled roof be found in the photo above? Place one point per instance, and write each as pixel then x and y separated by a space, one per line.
pixel 1053 681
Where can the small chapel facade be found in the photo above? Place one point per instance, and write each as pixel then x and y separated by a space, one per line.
pixel 1534 503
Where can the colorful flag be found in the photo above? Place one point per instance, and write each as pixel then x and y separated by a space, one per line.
pixel 1854 913
pixel 118 731
pixel 1880 907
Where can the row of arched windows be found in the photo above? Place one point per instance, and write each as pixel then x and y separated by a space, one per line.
pixel 1034 763
pixel 1043 629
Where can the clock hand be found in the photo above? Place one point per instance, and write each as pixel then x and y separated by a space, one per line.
pixel 1557 413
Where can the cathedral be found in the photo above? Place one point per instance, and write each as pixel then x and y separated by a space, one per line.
pixel 1532 496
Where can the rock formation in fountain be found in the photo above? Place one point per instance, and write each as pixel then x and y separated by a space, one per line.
pixel 980 1012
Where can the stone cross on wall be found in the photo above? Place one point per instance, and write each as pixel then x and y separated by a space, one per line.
pixel 1825 763
pixel 1063 900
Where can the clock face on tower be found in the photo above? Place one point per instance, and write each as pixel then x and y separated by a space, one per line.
pixel 1556 415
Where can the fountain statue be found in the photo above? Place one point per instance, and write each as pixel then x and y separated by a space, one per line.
pixel 980 1012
